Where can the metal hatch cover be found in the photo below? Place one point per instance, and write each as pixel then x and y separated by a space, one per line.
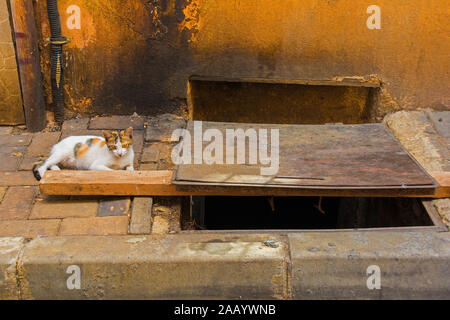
pixel 330 156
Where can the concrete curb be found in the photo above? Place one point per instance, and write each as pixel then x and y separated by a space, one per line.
pixel 10 249
pixel 144 267
pixel 314 265
pixel 412 265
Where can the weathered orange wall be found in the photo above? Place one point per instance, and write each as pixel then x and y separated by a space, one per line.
pixel 11 109
pixel 137 55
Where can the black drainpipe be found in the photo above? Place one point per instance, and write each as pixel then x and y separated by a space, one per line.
pixel 57 41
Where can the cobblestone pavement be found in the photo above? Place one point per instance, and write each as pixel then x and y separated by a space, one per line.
pixel 25 212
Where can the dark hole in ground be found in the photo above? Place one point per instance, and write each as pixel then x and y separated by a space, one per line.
pixel 221 213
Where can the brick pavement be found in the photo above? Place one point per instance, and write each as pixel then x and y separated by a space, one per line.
pixel 25 212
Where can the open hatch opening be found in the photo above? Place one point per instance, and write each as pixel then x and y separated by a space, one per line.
pixel 306 213
pixel 328 139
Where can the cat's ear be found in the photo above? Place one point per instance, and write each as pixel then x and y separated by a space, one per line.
pixel 129 132
pixel 107 134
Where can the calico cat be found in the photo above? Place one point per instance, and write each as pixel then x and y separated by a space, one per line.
pixel 113 152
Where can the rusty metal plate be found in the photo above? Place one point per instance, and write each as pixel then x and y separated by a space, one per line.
pixel 362 156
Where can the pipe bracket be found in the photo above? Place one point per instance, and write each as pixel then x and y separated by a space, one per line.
pixel 60 42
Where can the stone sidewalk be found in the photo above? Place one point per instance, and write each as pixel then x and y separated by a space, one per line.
pixel 25 212
pixel 426 135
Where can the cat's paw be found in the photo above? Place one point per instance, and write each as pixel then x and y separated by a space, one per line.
pixel 36 173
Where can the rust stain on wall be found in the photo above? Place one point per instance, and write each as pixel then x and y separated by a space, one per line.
pixel 191 19
pixel 239 24
pixel 155 8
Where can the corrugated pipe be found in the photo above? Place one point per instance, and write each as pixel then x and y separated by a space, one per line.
pixel 57 41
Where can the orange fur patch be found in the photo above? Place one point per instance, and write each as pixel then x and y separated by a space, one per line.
pixel 81 151
pixel 102 144
pixel 125 139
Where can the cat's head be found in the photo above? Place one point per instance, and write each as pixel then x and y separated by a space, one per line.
pixel 119 142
